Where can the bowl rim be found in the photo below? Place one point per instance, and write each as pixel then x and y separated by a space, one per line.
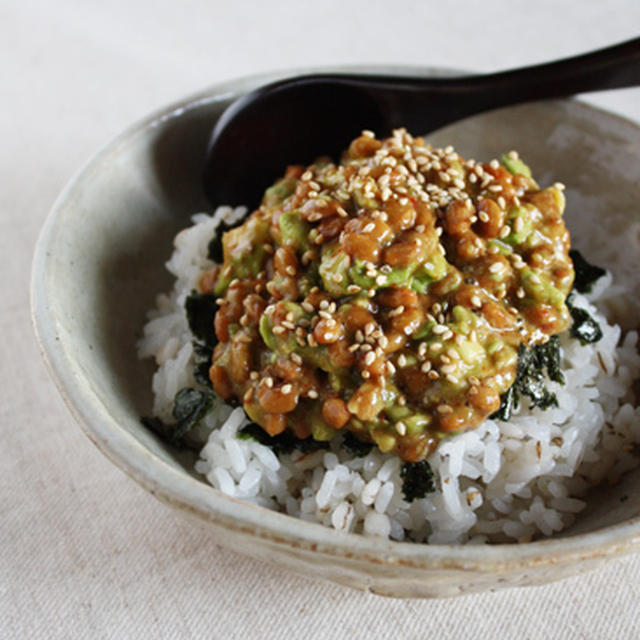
pixel 193 496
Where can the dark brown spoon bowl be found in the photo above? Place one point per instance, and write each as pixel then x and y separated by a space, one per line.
pixel 294 121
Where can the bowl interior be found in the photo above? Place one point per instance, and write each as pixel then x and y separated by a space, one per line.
pixel 102 254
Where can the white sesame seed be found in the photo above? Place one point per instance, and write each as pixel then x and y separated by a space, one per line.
pixel 369 358
pixel 401 428
pixel 312 393
pixel 496 267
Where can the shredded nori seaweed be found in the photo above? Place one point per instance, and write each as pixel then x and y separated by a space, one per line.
pixel 356 447
pixel 417 480
pixel 189 407
pixel 202 357
pixel 201 311
pixel 535 365
pixel 284 442
pixel 584 327
pixel 586 274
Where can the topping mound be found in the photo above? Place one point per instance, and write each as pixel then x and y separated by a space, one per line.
pixel 388 295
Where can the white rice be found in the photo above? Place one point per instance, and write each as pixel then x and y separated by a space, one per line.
pixel 501 481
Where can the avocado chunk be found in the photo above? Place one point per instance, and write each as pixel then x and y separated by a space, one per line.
pixel 515 165
pixel 294 230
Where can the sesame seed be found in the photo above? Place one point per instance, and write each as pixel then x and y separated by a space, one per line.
pixel 476 302
pixel 312 393
pixel 520 292
pixel 306 176
pixel 296 358
pixel 278 330
pixel 268 381
pixel 381 279
pixel 505 231
pixel 401 428
pixel 365 374
pixel 496 267
pixel 288 325
pixel 337 277
pixel 433 375
pixel 426 366
pixel 496 188
pixel 369 358
pixel 390 368
pixel 494 164
pixel 484 216
pixel 444 409
pixel 287 389
pixel 369 328
pixel 439 329
pixel 308 307
pixel 254 375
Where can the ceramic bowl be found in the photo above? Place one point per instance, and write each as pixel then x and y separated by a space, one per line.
pixel 99 263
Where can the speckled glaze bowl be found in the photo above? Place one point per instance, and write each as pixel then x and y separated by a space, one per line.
pixel 99 263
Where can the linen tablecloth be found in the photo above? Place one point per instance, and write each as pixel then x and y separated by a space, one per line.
pixel 84 551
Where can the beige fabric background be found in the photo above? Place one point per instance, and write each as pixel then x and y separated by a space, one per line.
pixel 85 552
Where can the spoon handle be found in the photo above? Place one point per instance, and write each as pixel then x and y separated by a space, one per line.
pixel 449 99
pixel 610 68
